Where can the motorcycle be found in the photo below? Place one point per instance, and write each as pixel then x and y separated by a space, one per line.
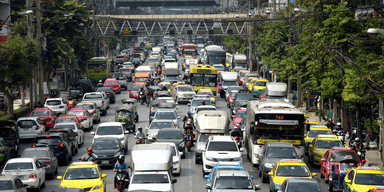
pixel 122 181
pixel 70 103
pixel 188 140
pixel 339 133
pixel 360 151
pixel 141 98
pixel 188 124
pixel 140 140
pixel 238 142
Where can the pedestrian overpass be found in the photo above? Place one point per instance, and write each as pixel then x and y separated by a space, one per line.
pixel 164 3
pixel 162 25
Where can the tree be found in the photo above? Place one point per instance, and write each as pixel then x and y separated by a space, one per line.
pixel 16 57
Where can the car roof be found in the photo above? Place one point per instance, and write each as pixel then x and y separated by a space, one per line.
pixel 36 149
pixel 301 180
pixel 77 109
pixel 164 110
pixel 161 120
pixel 109 123
pixel 41 109
pixel 66 123
pixel 21 159
pixel 107 138
pixel 206 106
pixel 54 99
pixel 221 138
pixel 278 144
pixel 27 118
pixel 82 165
pixel 66 116
pixel 239 173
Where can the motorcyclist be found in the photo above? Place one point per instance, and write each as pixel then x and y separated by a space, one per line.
pixel 164 88
pixel 140 133
pixel 188 116
pixel 330 124
pixel 70 103
pixel 142 92
pixel 90 156
pixel 237 133
pixel 100 84
pixel 120 164
pixel 359 147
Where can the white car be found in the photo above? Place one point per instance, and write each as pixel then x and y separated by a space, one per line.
pixel 202 108
pixel 57 105
pixel 220 148
pixel 167 114
pixel 29 170
pixel 76 128
pixel 91 107
pixel 176 158
pixel 30 127
pixel 112 129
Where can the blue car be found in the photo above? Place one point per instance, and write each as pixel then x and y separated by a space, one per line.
pixel 223 166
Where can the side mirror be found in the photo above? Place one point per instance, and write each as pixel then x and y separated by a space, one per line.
pixel 92 133
pixel 314 174
pixel 103 175
pixel 174 181
pixel 179 117
pixel 322 159
pixel 310 146
pixel 241 149
pixel 208 186
pixel 363 161
pixel 270 173
pixel 59 177
pixel 347 181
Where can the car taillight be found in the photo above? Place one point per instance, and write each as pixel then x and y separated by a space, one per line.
pixel 32 175
pixel 33 146
pixel 60 145
pixel 75 132
pixel 94 111
pixel 47 162
pixel 2 150
pixel 37 127
pixel 102 103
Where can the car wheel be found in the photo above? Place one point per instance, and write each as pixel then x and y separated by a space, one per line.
pixel 330 186
pixel 56 171
pixel 38 187
pixel 263 179
pixel 196 161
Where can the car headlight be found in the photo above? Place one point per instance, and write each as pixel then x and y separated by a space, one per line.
pixel 277 184
pixel 268 165
pixel 98 187
pixel 317 155
pixel 181 144
pixel 117 154
pixel 209 158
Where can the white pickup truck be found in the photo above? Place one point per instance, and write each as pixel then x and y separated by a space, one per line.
pixel 101 100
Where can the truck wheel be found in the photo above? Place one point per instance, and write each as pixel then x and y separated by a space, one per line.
pixel 330 186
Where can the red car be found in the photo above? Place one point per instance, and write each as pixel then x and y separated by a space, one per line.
pixel 114 84
pixel 240 114
pixel 84 116
pixel 231 95
pixel 46 115
pixel 134 91
pixel 68 119
pixel 338 158
pixel 136 46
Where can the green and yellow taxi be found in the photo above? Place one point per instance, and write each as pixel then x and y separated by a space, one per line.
pixel 258 86
pixel 166 84
pixel 248 82
pixel 288 168
pixel 320 145
pixel 363 179
pixel 314 131
pixel 209 93
pixel 85 175
pixel 252 83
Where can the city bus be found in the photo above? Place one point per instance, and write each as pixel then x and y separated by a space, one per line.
pixel 273 120
pixel 214 54
pixel 189 49
pixel 203 77
pixel 98 69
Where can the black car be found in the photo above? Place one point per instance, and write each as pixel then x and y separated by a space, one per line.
pixel 109 92
pixel 87 85
pixel 136 62
pixel 240 100
pixel 71 136
pixel 58 143
pixel 300 185
pixel 107 150
pixel 271 153
pixel 172 135
pixel 10 133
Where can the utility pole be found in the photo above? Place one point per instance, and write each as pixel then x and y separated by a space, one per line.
pixel 274 5
pixel 39 61
pixel 29 35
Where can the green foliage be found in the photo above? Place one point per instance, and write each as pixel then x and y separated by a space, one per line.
pixel 375 125
pixel 235 43
pixel 21 112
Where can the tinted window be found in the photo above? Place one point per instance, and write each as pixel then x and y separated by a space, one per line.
pixel 260 83
pixel 205 109
pixel 197 102
pixel 244 97
pixel 281 152
pixel 66 120
pixel 293 187
pixel 233 183
pixel 327 144
pixel 72 126
pixel 161 125
pixel 229 83
pixel 105 144
pixel 40 113
pixel 292 171
pixel 76 113
pixel 170 135
pixel 165 115
pixel 86 107
pixel 48 141
pixel 104 89
pixel 35 153
pixel 222 146
pixel 14 166
pixel 369 179
pixel 136 88
pixel 203 138
pixel 185 89
pixel 81 173
pixel 150 178
pixel 96 96
pixel 110 82
pixel 107 130
pixel 54 102
pixel 315 133
pixel 26 123
pixel 241 114
pixel 6 185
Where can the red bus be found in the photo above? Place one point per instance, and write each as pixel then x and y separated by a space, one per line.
pixel 189 49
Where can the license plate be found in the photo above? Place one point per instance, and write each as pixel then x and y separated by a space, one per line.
pixel 105 162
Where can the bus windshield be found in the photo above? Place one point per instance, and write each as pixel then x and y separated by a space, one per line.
pixel 216 57
pixel 207 80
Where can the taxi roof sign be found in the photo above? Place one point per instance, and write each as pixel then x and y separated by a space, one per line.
pixel 291 160
pixel 326 136
pixel 368 168
pixel 83 163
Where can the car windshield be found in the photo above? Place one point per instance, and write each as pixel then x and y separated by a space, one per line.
pixel 39 113
pixel 165 115
pixel 136 60
pixel 205 109
pixel 165 85
pixel 153 59
pixel 105 144
pixel 303 187
pixel 241 114
pixel 71 126
pixel 233 183
pixel 292 171
pixel 243 74
pixel 109 130
pixel 323 144
pixel 76 113
pixel 26 123
pixel 141 79
pixel 222 146
pixel 281 152
pixel 229 83
pixel 246 97
pixel 110 82
pixel 66 120
pixel 86 107
pixel 261 83
pixel 54 102
pixel 185 89
pixel 6 185
pixel 171 77
pixel 315 133
pixel 124 70
pixel 35 153
pixel 210 94
pixel 150 178
pixel 81 173
pixel 21 165
pixel 198 102
pixel 219 67
pixel 170 134
pixel 369 179
pixel 161 125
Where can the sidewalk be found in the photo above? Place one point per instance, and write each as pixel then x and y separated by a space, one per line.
pixel 372 156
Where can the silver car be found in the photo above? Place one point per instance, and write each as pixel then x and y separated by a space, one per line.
pixel 231 180
pixel 91 107
pixel 12 184
pixel 30 127
pixel 45 156
pixel 167 114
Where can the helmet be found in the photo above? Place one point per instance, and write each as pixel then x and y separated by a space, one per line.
pixel 357 140
pixel 338 124
pixel 189 113
pixel 140 128
pixel 235 128
pixel 122 158
pixel 90 150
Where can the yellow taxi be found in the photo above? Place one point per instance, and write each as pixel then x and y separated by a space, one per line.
pixel 288 168
pixel 320 145
pixel 85 175
pixel 306 116
pixel 314 131
pixel 309 123
pixel 248 82
pixel 258 86
pixel 252 83
pixel 363 179
pixel 209 93
pixel 166 84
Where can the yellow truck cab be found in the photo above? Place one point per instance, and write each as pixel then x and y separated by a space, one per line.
pixel 320 145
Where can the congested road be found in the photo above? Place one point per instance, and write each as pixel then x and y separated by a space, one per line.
pixel 191 177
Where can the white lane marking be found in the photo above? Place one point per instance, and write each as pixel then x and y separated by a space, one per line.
pixel 190 177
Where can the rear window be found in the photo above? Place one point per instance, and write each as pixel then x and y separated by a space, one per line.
pixel 76 113
pixel 23 165
pixel 39 113
pixel 48 141
pixel 66 120
pixel 222 146
pixel 111 82
pixel 85 106
pixel 54 102
pixel 121 56
pixel 98 96
pixel 35 153
pixel 71 126
pixel 6 185
pixel 26 123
